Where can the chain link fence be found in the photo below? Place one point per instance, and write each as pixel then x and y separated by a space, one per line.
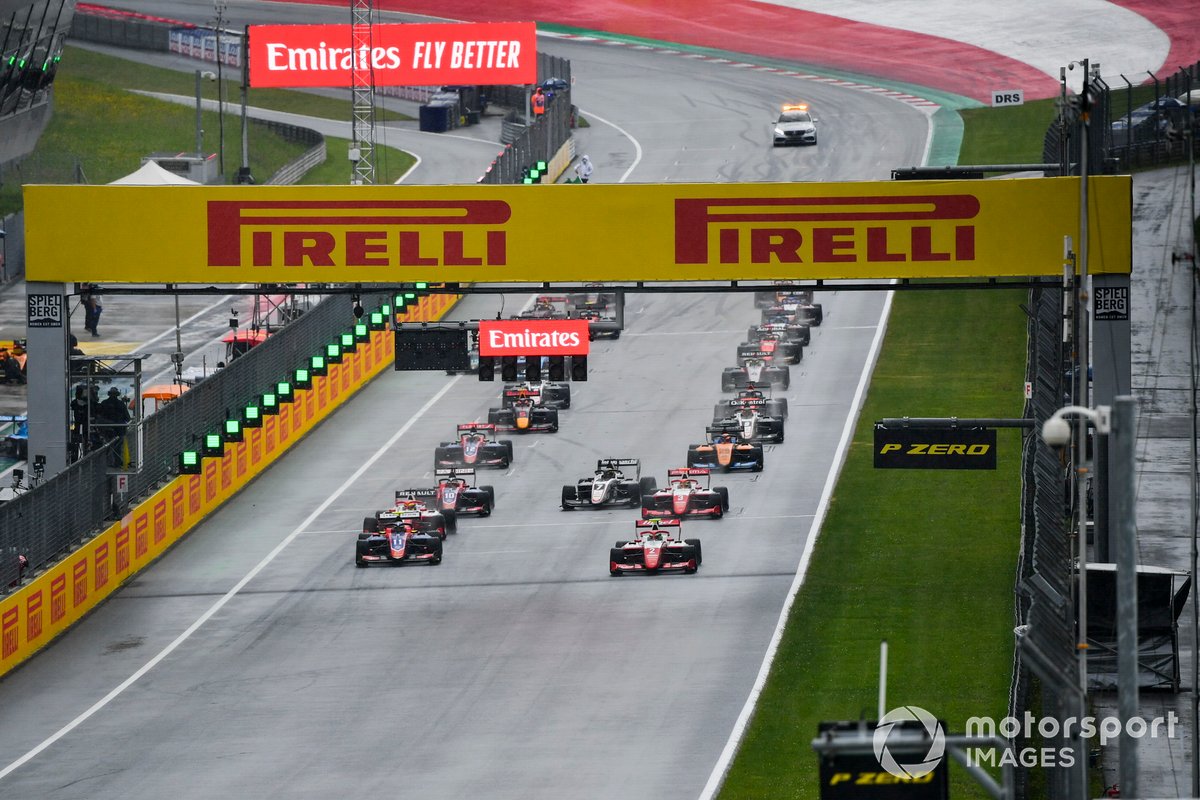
pixel 528 144
pixel 45 522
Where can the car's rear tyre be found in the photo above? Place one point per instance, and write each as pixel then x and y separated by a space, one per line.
pixel 568 496
pixel 692 457
pixel 508 448
pixel 485 510
pixel 648 485
pixel 370 525
pixel 490 491
pixel 723 493
pixel 622 543
pixel 695 543
pixel 451 518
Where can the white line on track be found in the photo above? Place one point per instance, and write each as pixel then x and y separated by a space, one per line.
pixel 241 584
pixel 636 145
pixel 717 776
pixel 190 319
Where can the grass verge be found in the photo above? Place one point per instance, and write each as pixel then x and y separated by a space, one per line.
pixel 100 130
pixel 924 559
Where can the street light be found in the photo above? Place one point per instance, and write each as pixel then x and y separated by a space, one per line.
pixel 1119 422
pixel 201 75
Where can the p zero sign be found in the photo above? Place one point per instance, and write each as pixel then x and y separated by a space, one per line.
pixel 633 232
pixel 533 337
pixel 935 448
pixel 491 53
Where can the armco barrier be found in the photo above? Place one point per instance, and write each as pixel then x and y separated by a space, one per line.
pixel 33 616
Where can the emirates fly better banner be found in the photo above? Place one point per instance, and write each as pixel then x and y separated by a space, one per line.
pixel 398 55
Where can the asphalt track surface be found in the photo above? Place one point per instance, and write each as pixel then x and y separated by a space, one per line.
pixel 254 660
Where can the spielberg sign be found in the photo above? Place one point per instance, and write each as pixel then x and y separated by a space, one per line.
pixel 533 337
pixel 493 53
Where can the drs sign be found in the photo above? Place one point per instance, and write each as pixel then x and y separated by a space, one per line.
pixel 1008 97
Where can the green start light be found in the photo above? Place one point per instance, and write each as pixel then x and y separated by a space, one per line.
pixel 252 416
pixel 378 319
pixel 361 332
pixel 213 445
pixel 542 166
pixel 233 430
pixel 348 342
pixel 333 353
pixel 318 365
pixel 527 179
pixel 284 390
pixel 303 378
pixel 189 463
pixel 384 311
pixel 420 286
pixel 270 403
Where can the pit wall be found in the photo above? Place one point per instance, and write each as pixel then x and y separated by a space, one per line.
pixel 36 614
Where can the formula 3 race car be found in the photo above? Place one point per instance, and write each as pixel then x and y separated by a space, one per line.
pixel 799 307
pixel 783 327
pixel 772 348
pixel 546 393
pixel 610 486
pixel 773 406
pixel 774 296
pixel 457 493
pixel 754 369
pixel 689 493
pixel 524 416
pixel 395 540
pixel 656 548
pixel 423 503
pixel 726 450
pixel 754 423
pixel 477 446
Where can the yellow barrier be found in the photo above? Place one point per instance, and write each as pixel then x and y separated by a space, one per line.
pixel 34 615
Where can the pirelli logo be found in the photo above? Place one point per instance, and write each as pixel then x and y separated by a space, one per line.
pixel 935 448
pixel 357 233
pixel 826 230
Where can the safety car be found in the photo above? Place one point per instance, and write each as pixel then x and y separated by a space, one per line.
pixel 610 486
pixel 689 493
pixel 477 446
pixel 396 539
pixel 755 369
pixel 795 125
pixel 656 548
pixel 725 449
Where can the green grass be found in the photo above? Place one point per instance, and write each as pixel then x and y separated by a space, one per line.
pixel 100 130
pixel 925 559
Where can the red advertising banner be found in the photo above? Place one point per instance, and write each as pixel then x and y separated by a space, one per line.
pixel 533 337
pixel 423 54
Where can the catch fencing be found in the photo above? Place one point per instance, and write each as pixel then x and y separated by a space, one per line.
pixel 542 139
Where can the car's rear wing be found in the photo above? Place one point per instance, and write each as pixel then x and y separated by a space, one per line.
pixel 386 515
pixel 471 427
pixel 660 524
pixel 754 354
pixel 725 427
pixel 748 401
pixel 454 472
pixel 688 472
pixel 532 394
pixel 415 494
pixel 617 463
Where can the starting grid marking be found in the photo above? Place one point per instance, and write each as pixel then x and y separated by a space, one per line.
pixel 903 97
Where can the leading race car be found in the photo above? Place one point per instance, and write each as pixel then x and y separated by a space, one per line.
pixel 477 446
pixel 546 393
pixel 771 347
pixel 689 493
pixel 457 492
pixel 524 415
pixel 726 450
pixel 754 424
pixel 766 299
pixel 609 486
pixel 656 548
pixel 396 539
pixel 773 406
pixel 754 369
pixel 423 502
